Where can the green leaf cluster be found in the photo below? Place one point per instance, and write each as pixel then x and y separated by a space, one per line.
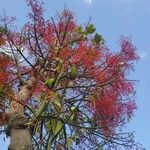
pixel 98 39
pixel 74 71
pixel 90 29
pixel 50 82
pixel 54 126
pixel 1 90
pixel 80 30
pixel 3 30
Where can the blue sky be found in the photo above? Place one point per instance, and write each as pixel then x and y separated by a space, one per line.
pixel 113 18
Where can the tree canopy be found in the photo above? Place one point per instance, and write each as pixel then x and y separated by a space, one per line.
pixel 72 89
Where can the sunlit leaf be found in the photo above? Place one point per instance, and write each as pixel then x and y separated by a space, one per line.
pixel 90 29
pixel 69 142
pixel 98 39
pixel 50 82
pixel 58 127
pixel 74 71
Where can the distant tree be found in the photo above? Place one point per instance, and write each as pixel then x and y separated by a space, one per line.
pixel 61 87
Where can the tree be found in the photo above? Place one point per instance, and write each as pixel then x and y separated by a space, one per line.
pixel 61 87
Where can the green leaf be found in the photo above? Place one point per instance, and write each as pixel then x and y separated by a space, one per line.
pixel 1 90
pixel 54 126
pixel 58 127
pixel 57 102
pixel 69 142
pixel 50 82
pixel 90 29
pixel 58 68
pixel 51 125
pixel 74 71
pixel 72 117
pixel 79 30
pixel 98 39
pixel 72 108
pixel 3 30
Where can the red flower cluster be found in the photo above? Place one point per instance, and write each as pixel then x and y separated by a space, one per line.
pixel 5 64
pixel 113 106
pixel 58 44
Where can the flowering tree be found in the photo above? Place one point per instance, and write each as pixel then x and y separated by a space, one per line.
pixel 61 87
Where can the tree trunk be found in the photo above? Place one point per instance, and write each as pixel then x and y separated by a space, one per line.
pixel 20 139
pixel 20 135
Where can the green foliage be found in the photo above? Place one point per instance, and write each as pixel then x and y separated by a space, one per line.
pixel 50 82
pixel 1 90
pixel 90 29
pixel 57 103
pixel 3 30
pixel 58 127
pixel 54 126
pixel 98 39
pixel 69 142
pixel 81 90
pixel 74 71
pixel 58 67
pixel 79 30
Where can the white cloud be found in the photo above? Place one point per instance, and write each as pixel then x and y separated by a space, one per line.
pixel 88 1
